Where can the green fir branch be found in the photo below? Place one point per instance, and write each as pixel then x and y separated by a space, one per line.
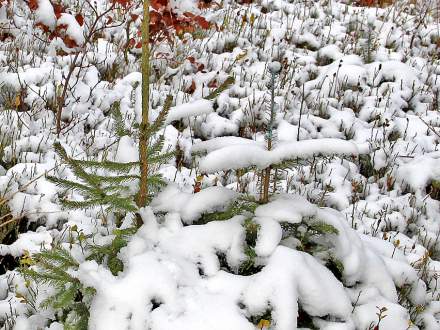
pixel 119 126
pixel 160 120
pixel 116 179
pixel 108 165
pixel 70 185
pixel 75 166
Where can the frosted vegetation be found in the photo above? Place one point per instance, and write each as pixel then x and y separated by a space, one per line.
pixel 294 178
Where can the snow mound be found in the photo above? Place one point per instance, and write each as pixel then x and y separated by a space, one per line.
pixel 246 155
pixel 174 276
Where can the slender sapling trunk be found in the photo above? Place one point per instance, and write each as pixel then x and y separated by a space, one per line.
pixel 143 137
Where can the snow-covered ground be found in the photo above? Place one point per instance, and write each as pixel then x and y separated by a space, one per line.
pixel 350 237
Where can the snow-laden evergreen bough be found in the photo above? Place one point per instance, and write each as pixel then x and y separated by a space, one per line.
pixel 349 238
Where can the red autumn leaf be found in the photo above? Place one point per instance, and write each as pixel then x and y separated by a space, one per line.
pixel 139 45
pixel 134 17
pixel 69 42
pixel 213 83
pixel 33 4
pixel 58 10
pixel 53 35
pixel 131 43
pixel 191 88
pixel 155 17
pixel 197 187
pixel 43 27
pixel 159 4
pixel 191 59
pixel 62 27
pixel 80 19
pixel 202 22
pixel 162 19
pixel 168 19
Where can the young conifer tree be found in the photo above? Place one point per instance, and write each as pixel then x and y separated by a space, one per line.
pixel 108 190
pixel 106 184
pixel 274 69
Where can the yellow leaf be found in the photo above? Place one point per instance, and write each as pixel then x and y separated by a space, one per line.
pixel 21 297
pixel 26 259
pixel 241 56
pixel 252 19
pixel 199 178
pixel 263 324
pixel 81 237
pixel 17 101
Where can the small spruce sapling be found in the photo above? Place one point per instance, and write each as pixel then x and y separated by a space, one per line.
pixel 103 184
pixel 274 69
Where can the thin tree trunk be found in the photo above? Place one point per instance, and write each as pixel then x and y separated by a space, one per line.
pixel 264 198
pixel 143 140
pixel 266 182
